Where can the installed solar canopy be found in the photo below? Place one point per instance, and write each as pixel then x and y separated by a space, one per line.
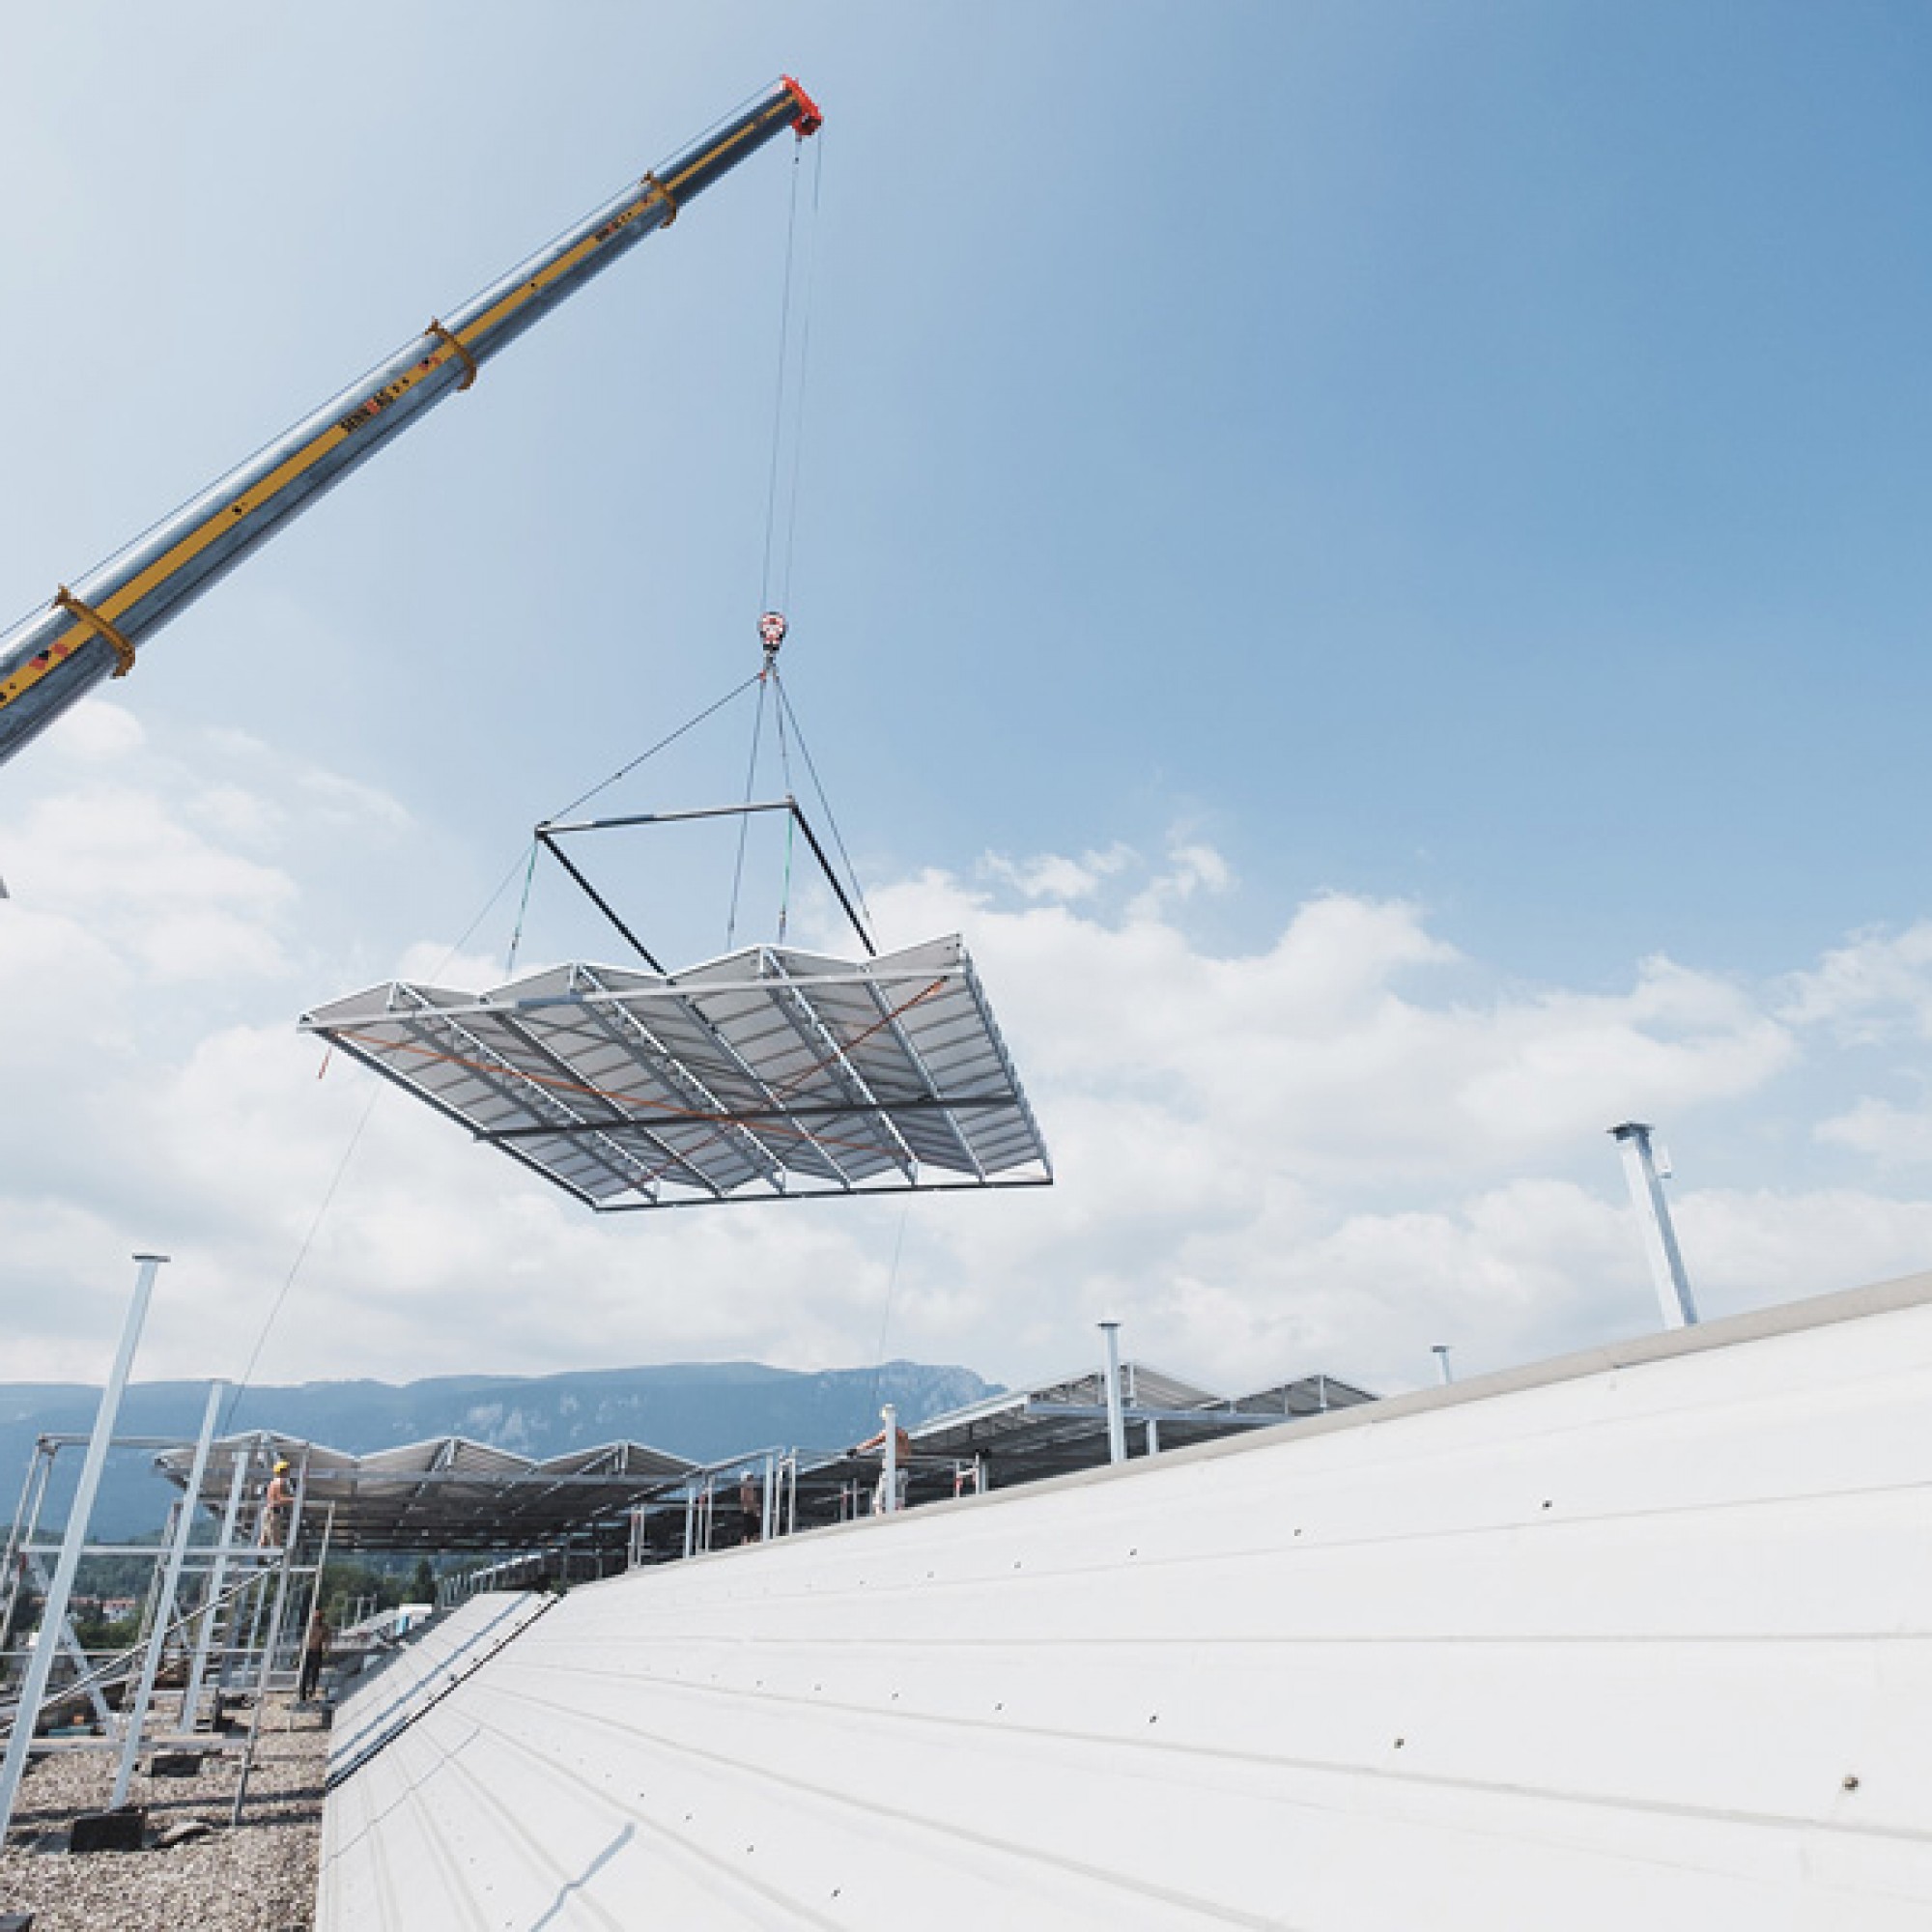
pixel 765 1074
pixel 447 1493
pixel 1024 1435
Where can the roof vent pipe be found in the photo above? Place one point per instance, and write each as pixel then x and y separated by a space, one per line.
pixel 1652 1213
pixel 1116 1422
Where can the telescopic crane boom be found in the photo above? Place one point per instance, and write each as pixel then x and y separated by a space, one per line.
pixel 91 630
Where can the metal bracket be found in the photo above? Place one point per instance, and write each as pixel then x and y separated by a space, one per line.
pixel 442 335
pixel 86 615
pixel 669 200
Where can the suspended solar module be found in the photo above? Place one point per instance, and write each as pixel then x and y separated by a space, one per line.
pixel 766 1073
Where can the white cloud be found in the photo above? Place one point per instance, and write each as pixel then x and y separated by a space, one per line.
pixel 1876 985
pixel 1888 1135
pixel 94 732
pixel 1050 875
pixel 125 861
pixel 341 800
pixel 1331 1150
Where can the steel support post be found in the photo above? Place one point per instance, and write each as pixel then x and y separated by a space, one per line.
pixel 890 1458
pixel 315 1596
pixel 1441 1351
pixel 18 1534
pixel 54 1613
pixel 212 1605
pixel 1652 1213
pixel 292 1531
pixel 164 1613
pixel 1117 1426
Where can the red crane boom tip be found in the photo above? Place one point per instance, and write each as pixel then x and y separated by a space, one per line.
pixel 810 120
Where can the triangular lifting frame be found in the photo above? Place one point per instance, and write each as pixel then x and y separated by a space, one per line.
pixel 769 1073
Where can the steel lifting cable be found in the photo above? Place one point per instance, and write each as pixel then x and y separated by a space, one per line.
pixel 355 1140
pixel 803 359
pixel 745 819
pixel 779 388
pixel 891 1287
pixel 837 838
pixel 663 744
pixel 791 818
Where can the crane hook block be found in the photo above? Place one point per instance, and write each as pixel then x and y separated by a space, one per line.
pixel 810 120
pixel 772 629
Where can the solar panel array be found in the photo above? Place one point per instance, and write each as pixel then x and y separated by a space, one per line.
pixel 766 1071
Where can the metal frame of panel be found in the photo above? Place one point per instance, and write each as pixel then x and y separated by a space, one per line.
pixel 767 1073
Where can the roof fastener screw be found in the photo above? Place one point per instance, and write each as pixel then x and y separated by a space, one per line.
pixel 1851 1781
pixel 1399 1742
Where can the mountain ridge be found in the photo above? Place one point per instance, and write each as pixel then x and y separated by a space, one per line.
pixel 703 1411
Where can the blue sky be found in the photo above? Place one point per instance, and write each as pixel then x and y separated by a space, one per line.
pixel 1462 464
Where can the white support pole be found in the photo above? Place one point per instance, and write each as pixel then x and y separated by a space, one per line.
pixel 165 1614
pixel 53 1613
pixel 1441 1351
pixel 890 1459
pixel 213 1607
pixel 1117 1423
pixel 1652 1213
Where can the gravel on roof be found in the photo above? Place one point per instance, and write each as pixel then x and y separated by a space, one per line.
pixel 257 1877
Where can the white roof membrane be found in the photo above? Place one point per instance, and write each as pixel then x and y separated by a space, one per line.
pixel 1640 1638
pixel 766 1072
pixel 389 1700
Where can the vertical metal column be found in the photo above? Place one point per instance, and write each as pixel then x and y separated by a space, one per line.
pixel 27 1519
pixel 272 1642
pixel 888 1458
pixel 53 1612
pixel 164 1612
pixel 315 1597
pixel 1652 1213
pixel 212 1603
pixel 1117 1424
pixel 1441 1351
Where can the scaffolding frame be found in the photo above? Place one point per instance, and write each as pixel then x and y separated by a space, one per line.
pixel 232 1635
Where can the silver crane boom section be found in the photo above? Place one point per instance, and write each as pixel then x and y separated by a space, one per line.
pixel 90 631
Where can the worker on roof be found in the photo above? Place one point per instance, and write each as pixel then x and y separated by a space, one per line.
pixel 315 1648
pixel 875 1445
pixel 275 1507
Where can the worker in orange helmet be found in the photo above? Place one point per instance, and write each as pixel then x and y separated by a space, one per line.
pixel 275 1506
